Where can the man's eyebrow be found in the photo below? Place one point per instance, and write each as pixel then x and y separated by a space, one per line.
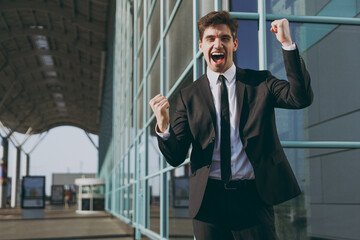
pixel 221 36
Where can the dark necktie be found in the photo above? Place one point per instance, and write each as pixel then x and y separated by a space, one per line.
pixel 225 152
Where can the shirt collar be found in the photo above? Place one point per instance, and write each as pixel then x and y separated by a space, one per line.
pixel 228 74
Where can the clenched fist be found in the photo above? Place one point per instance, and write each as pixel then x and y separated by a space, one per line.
pixel 159 104
pixel 282 31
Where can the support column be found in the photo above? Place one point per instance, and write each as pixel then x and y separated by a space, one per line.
pixel 262 35
pixel 3 172
pixel 27 164
pixel 15 182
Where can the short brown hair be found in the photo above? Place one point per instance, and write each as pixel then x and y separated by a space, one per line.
pixel 216 18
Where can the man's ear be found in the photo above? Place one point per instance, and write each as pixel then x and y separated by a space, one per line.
pixel 236 43
pixel 200 46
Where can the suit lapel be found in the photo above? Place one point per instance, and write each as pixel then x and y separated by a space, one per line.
pixel 240 96
pixel 207 96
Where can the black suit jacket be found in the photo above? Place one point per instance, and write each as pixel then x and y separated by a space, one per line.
pixel 258 93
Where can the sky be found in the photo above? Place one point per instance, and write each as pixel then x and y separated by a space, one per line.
pixel 63 150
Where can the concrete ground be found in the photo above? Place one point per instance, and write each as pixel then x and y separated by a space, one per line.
pixel 60 223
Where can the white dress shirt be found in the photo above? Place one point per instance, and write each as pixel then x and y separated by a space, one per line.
pixel 241 167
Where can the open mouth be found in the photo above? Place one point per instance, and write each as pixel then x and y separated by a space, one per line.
pixel 218 57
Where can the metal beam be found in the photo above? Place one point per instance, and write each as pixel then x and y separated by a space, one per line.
pixel 40 139
pixel 321 144
pixel 300 19
pixel 315 19
pixel 101 83
pixel 262 35
pixel 92 141
pixel 27 165
pixel 15 183
pixel 9 134
pixel 26 137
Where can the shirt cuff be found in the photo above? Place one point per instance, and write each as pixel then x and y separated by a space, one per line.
pixel 165 135
pixel 289 48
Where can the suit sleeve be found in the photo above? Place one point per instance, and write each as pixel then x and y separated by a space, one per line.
pixel 176 147
pixel 296 93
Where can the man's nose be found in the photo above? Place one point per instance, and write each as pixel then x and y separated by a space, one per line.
pixel 217 43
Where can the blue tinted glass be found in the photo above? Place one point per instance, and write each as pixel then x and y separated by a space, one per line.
pixel 333 8
pixel 246 55
pixel 243 6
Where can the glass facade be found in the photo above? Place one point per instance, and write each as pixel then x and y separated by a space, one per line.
pixel 154 50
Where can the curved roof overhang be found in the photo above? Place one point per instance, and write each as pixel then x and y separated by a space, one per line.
pixel 52 57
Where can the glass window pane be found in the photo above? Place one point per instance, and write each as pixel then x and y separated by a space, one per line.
pixel 98 204
pixel 99 189
pixel 140 23
pixel 85 204
pixel 140 67
pixel 247 54
pixel 243 6
pixel 180 225
pixel 332 60
pixel 154 192
pixel 154 30
pixel 86 189
pixel 131 129
pixel 179 50
pixel 131 174
pixel 126 169
pixel 139 115
pixel 155 162
pixel 324 48
pixel 128 201
pixel 153 83
pixel 331 8
pixel 169 6
pixel 149 4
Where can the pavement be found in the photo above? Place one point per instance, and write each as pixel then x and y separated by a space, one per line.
pixel 60 223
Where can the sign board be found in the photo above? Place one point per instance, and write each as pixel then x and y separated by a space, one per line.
pixel 57 194
pixel 33 192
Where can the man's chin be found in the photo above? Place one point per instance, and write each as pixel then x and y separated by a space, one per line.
pixel 217 69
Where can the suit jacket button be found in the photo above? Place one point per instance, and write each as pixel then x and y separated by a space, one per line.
pixel 212 139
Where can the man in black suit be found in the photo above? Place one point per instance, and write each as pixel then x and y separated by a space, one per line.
pixel 238 167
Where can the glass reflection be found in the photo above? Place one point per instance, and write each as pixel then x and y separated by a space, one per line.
pixel 330 8
pixel 243 6
pixel 153 83
pixel 154 30
pixel 179 50
pixel 246 56
pixel 154 151
pixel 154 200
pixel 180 225
pixel 325 175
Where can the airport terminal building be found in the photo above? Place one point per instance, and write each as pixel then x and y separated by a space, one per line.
pixel 154 49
